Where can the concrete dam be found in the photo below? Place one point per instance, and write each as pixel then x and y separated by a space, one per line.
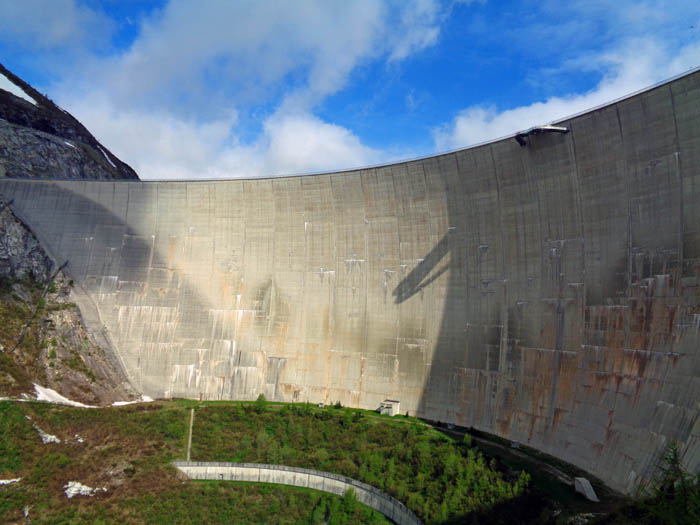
pixel 548 293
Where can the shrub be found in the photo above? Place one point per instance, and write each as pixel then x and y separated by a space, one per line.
pixel 349 501
pixel 467 440
pixel 260 404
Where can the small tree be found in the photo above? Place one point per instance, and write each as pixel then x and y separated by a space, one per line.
pixel 260 404
pixel 677 491
pixel 349 501
pixel 467 440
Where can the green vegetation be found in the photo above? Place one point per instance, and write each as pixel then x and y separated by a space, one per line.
pixel 13 426
pixel 220 502
pixel 75 362
pixel 49 346
pixel 17 369
pixel 443 478
pixel 260 404
pixel 128 450
pixel 437 477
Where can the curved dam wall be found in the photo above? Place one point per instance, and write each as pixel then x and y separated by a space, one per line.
pixel 301 477
pixel 548 293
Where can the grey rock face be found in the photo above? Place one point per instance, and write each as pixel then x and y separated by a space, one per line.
pixel 43 140
pixel 28 153
pixel 21 255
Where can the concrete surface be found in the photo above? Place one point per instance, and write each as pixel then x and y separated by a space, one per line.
pixel 547 294
pixel 583 486
pixel 301 477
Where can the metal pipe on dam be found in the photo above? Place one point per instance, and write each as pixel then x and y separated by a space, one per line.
pixel 546 293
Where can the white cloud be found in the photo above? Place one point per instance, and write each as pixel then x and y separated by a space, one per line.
pixel 193 57
pixel 41 25
pixel 170 104
pixel 638 64
pixel 417 29
pixel 302 143
pixel 162 146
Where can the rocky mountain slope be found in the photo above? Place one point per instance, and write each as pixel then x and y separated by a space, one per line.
pixel 42 336
pixel 38 139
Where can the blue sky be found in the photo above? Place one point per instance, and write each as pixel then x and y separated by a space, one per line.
pixel 209 88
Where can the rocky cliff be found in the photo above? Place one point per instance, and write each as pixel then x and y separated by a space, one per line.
pixel 38 139
pixel 21 256
pixel 42 334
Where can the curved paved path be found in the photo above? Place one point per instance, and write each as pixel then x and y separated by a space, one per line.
pixel 301 477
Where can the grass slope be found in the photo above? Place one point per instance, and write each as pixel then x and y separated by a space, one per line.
pixel 128 450
pixel 437 477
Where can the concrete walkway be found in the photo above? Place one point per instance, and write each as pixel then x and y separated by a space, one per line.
pixel 301 477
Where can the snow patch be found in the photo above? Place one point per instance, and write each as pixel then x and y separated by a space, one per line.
pixel 106 157
pixel 79 439
pixel 8 85
pixel 9 481
pixel 47 394
pixel 46 438
pixel 68 144
pixel 75 488
pixel 144 399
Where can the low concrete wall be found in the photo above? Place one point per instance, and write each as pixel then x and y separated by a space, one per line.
pixel 301 477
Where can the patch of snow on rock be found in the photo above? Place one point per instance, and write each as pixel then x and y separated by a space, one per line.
pixel 144 399
pixel 46 438
pixel 8 85
pixel 68 144
pixel 47 394
pixel 9 481
pixel 106 157
pixel 75 488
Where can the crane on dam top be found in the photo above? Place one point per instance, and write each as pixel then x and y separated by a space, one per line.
pixel 538 130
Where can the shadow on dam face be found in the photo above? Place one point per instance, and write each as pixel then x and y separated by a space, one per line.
pixel 571 320
pixel 156 320
pixel 548 294
pixel 422 275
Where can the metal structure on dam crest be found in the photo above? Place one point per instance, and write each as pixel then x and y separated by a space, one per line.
pixel 547 293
